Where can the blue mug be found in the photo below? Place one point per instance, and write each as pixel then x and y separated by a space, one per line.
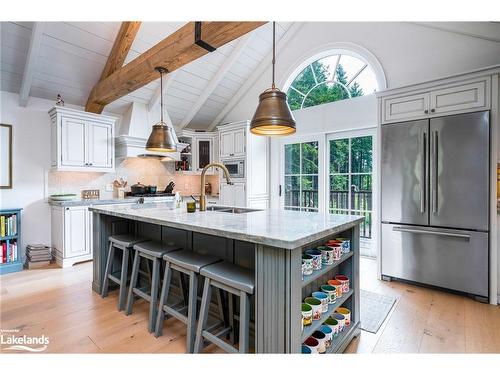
pixel 306 349
pixel 328 333
pixel 323 297
pixel 316 255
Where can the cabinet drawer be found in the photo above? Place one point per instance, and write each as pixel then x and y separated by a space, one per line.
pixel 408 107
pixel 459 98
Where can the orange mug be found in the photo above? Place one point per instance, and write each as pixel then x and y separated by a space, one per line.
pixel 338 287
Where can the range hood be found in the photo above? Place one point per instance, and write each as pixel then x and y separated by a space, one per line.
pixel 133 134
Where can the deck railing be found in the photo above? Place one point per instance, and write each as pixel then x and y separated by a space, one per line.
pixel 361 204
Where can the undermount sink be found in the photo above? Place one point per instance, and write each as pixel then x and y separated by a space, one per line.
pixel 231 210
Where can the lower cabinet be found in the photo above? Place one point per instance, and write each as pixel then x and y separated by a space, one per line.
pixel 71 234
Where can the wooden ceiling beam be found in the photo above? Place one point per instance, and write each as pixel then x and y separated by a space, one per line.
pixel 121 47
pixel 173 52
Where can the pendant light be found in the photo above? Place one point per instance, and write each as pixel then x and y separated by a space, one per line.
pixel 273 115
pixel 161 138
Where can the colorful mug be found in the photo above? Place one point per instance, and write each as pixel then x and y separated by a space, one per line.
pixel 316 255
pixel 336 247
pixel 316 307
pixel 333 324
pixel 328 331
pixel 331 292
pixel 307 265
pixel 327 254
pixel 338 287
pixel 312 344
pixel 306 349
pixel 306 314
pixel 321 338
pixel 341 319
pixel 346 244
pixel 323 297
pixel 346 313
pixel 344 281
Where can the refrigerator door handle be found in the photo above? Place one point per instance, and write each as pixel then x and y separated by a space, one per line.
pixel 437 233
pixel 423 182
pixel 434 171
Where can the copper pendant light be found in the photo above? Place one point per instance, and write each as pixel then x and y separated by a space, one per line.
pixel 273 115
pixel 161 138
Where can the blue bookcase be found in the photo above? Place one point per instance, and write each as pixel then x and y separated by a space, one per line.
pixel 11 238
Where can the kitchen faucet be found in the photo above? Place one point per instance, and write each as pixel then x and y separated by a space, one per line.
pixel 203 200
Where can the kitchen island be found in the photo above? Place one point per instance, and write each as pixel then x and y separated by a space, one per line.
pixel 270 242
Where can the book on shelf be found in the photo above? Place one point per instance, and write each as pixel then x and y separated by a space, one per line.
pixel 8 225
pixel 9 251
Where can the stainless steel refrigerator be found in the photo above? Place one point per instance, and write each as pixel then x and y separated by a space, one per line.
pixel 435 188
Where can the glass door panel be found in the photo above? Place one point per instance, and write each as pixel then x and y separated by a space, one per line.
pixel 301 176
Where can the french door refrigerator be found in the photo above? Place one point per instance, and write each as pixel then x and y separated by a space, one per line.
pixel 435 202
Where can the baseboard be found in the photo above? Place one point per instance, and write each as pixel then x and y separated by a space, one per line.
pixel 498 299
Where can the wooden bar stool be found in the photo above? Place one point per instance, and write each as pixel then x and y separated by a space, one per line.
pixel 190 264
pixel 123 242
pixel 151 251
pixel 235 280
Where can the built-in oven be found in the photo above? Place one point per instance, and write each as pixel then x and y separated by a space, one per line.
pixel 236 168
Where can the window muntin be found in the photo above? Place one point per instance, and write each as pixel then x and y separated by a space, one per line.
pixel 329 79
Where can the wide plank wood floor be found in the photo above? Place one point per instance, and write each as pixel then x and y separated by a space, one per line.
pixel 60 304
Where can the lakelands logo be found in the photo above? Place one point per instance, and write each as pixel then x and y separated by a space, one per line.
pixel 12 342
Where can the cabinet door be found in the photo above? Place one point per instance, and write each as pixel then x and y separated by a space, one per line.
pixel 239 142
pixel 75 232
pixel 459 98
pixel 226 145
pixel 90 241
pixel 73 134
pixel 407 107
pixel 226 195
pixel 239 194
pixel 204 152
pixel 100 145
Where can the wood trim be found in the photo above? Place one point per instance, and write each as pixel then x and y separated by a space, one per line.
pixel 173 52
pixel 121 47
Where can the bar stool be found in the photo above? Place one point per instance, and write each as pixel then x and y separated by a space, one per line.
pixel 235 280
pixel 153 251
pixel 123 242
pixel 190 264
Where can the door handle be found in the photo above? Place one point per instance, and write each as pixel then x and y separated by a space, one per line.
pixel 423 183
pixel 435 173
pixel 437 233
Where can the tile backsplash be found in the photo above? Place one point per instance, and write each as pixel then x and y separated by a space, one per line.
pixel 148 171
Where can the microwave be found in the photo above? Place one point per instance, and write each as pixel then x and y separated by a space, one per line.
pixel 236 168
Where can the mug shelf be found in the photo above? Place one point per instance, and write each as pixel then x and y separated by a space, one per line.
pixel 325 269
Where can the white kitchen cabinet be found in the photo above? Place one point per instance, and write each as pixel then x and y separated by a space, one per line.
pixel 237 143
pixel 71 234
pixel 438 100
pixel 232 143
pixel 233 195
pixel 203 150
pixel 82 141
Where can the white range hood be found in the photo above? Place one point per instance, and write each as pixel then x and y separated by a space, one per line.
pixel 134 132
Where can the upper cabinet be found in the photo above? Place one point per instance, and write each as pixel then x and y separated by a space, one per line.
pixel 82 141
pixel 232 143
pixel 442 99
pixel 202 150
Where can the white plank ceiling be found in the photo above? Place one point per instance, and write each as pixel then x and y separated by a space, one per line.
pixel 71 56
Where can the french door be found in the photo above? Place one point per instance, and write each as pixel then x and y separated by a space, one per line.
pixel 351 181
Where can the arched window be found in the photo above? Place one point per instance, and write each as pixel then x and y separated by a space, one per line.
pixel 328 79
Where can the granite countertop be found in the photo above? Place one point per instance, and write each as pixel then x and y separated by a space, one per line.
pixel 279 228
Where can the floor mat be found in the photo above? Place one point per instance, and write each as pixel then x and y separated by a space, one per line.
pixel 374 309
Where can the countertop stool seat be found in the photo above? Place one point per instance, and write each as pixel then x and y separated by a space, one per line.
pixel 125 243
pixel 190 264
pixel 237 281
pixel 151 251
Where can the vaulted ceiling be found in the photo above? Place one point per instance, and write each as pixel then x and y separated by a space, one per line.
pixel 44 59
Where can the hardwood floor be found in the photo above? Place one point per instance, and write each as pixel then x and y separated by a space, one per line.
pixel 60 304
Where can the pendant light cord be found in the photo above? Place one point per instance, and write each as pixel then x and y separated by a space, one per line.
pixel 274 51
pixel 161 97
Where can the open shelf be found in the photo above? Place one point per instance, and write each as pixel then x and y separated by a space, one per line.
pixel 5 238
pixel 338 342
pixel 308 330
pixel 325 269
